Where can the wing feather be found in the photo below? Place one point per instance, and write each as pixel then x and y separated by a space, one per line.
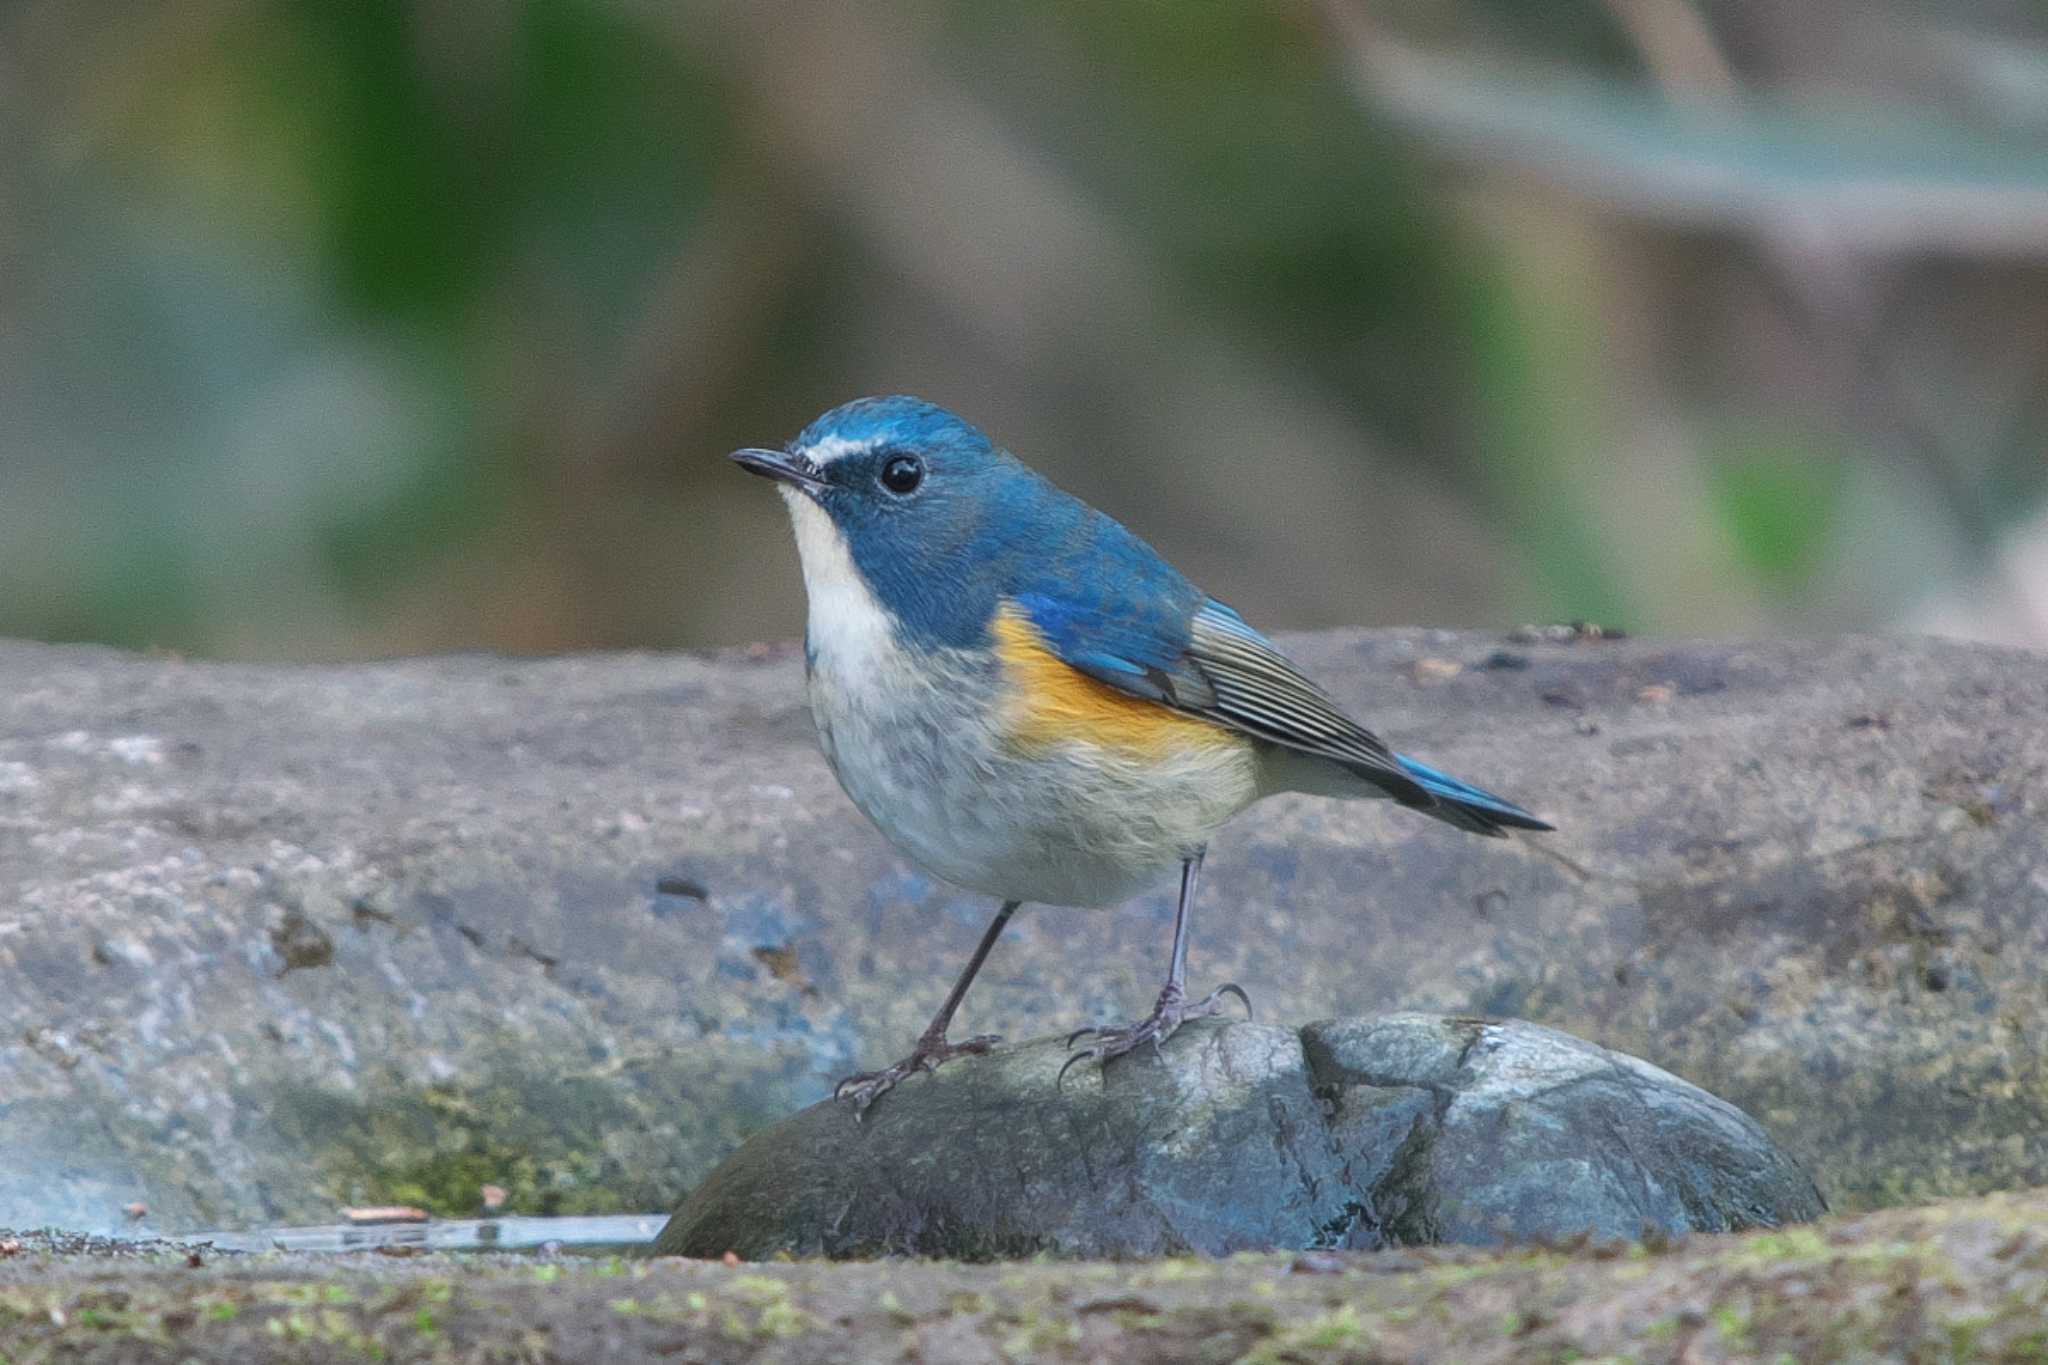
pixel 1211 663
pixel 1259 691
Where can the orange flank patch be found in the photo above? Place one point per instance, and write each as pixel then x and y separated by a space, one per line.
pixel 1051 702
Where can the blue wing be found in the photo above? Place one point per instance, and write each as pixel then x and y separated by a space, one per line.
pixel 1139 626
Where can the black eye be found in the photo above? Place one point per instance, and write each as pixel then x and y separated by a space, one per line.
pixel 902 474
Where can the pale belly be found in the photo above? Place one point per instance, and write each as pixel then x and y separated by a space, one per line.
pixel 1068 823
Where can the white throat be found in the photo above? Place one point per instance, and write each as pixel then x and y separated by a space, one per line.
pixel 848 628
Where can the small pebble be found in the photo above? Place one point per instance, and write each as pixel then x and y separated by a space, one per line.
pixel 1316 1263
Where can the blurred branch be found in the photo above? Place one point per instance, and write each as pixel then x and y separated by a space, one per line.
pixel 1874 185
pixel 1677 46
pixel 2020 617
pixel 1832 211
pixel 1843 301
pixel 707 311
pixel 977 220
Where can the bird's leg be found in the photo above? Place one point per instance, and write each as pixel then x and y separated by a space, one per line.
pixel 932 1049
pixel 1172 1009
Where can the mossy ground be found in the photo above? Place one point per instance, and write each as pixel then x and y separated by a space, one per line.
pixel 1963 1281
pixel 602 1142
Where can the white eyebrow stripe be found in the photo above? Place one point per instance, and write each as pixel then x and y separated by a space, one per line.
pixel 832 448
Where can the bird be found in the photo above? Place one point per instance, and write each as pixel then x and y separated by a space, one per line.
pixel 1031 703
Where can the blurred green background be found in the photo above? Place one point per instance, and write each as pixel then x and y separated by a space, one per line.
pixel 349 329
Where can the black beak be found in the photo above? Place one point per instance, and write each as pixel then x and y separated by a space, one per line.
pixel 780 465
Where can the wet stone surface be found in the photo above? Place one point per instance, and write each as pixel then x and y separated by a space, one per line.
pixel 1402 1130
pixel 278 939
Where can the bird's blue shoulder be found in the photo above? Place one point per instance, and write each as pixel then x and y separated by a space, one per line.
pixel 1112 607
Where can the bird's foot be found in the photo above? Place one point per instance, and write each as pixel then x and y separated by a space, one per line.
pixel 865 1087
pixel 1169 1014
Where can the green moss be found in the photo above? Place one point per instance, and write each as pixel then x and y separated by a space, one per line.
pixel 2032 1346
pixel 1786 1244
pixel 1032 1334
pixel 1963 1334
pixel 1340 1329
pixel 781 1320
pixel 438 1147
pixel 556 1143
pixel 1733 1325
pixel 758 1291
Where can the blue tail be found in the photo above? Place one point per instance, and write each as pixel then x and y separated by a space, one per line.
pixel 1466 806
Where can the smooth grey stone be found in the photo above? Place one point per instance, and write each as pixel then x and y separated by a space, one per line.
pixel 1409 1129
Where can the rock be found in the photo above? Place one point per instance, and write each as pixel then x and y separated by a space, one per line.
pixel 275 940
pixel 1409 1129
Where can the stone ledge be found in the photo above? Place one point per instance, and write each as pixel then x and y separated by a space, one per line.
pixel 276 939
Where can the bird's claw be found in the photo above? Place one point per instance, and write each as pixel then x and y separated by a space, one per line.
pixel 1211 1001
pixel 1155 1028
pixel 863 1088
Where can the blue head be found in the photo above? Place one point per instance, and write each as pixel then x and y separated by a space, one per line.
pixel 937 523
